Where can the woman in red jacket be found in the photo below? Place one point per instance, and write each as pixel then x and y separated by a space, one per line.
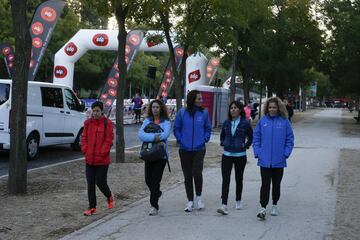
pixel 96 141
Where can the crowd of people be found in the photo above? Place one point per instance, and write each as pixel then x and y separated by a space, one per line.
pixel 272 141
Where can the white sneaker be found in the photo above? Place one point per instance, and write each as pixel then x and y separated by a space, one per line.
pixel 199 203
pixel 274 210
pixel 238 205
pixel 223 210
pixel 262 213
pixel 189 206
pixel 153 211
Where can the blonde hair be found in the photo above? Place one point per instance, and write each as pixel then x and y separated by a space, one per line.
pixel 281 106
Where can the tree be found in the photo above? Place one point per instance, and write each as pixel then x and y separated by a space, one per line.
pixel 342 57
pixel 123 11
pixel 190 16
pixel 18 156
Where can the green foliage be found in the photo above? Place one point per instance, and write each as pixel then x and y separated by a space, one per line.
pixel 342 57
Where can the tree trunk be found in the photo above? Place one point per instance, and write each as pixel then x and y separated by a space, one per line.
pixel 233 72
pixel 17 183
pixel 120 142
pixel 178 88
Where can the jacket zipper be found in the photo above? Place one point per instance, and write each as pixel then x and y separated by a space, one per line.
pixel 272 138
pixel 93 160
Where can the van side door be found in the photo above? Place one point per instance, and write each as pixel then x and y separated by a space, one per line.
pixel 74 115
pixel 53 115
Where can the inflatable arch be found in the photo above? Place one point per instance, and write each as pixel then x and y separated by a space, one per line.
pixel 105 40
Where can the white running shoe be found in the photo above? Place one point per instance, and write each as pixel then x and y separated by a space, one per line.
pixel 274 210
pixel 238 205
pixel 223 210
pixel 153 211
pixel 262 213
pixel 199 203
pixel 189 206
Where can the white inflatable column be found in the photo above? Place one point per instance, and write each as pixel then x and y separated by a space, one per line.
pixel 195 71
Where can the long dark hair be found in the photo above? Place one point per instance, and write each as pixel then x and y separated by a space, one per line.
pixel 190 101
pixel 163 111
pixel 240 106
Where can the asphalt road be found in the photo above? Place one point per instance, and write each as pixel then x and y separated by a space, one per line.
pixel 63 153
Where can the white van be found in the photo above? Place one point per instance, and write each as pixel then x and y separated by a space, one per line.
pixel 54 116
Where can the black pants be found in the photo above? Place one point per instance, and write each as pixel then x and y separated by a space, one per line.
pixel 138 114
pixel 268 176
pixel 226 167
pixel 192 164
pixel 153 175
pixel 97 175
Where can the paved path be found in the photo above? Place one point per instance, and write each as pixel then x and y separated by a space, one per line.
pixel 307 204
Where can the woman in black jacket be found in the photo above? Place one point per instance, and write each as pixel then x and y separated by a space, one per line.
pixel 236 136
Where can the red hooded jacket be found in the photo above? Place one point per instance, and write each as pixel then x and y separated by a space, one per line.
pixel 96 144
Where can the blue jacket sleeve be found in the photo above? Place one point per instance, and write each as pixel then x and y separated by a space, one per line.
pixel 257 139
pixel 289 142
pixel 146 137
pixel 178 126
pixel 166 130
pixel 222 134
pixel 207 128
pixel 249 135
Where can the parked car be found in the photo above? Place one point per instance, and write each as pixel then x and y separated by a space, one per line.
pixel 54 116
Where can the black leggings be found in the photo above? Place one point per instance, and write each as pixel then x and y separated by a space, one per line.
pixel 153 175
pixel 226 167
pixel 97 175
pixel 268 176
pixel 192 164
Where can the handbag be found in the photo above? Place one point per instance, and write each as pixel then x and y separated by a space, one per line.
pixel 153 151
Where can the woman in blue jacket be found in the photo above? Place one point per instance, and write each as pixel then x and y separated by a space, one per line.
pixel 192 129
pixel 273 143
pixel 236 136
pixel 157 114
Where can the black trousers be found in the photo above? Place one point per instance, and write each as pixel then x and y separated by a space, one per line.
pixel 97 175
pixel 153 176
pixel 226 167
pixel 192 164
pixel 138 114
pixel 268 176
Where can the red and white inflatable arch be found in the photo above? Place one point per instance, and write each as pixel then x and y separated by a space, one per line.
pixel 106 40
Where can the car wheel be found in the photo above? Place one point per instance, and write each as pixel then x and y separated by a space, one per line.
pixel 32 146
pixel 76 146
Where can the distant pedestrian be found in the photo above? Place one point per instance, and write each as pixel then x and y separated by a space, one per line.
pixel 247 110
pixel 273 143
pixel 289 109
pixel 192 129
pixel 157 114
pixel 236 137
pixel 137 107
pixel 96 141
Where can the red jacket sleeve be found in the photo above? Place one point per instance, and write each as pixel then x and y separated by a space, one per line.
pixel 109 137
pixel 84 137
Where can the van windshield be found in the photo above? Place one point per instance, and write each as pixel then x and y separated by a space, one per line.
pixel 4 92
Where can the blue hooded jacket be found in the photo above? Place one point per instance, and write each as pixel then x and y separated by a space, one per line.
pixel 273 141
pixel 192 132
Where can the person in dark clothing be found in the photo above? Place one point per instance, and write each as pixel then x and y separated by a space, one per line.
pixel 96 141
pixel 137 107
pixel 192 129
pixel 289 109
pixel 236 136
pixel 272 143
pixel 157 114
